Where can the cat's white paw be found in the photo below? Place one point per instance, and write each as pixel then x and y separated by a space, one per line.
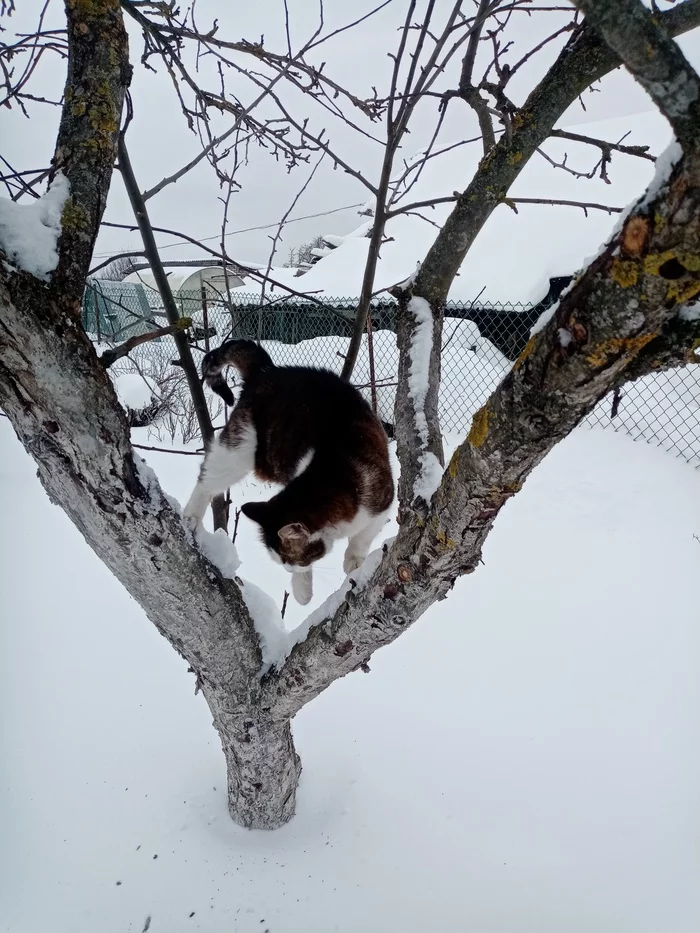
pixel 303 587
pixel 191 521
pixel 352 561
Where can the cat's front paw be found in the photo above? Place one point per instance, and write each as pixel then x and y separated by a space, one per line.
pixel 352 561
pixel 302 587
pixel 191 522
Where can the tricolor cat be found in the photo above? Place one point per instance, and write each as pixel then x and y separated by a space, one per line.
pixel 312 432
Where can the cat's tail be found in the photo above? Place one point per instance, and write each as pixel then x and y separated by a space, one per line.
pixel 248 358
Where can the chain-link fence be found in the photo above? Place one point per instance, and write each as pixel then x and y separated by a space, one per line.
pixel 479 346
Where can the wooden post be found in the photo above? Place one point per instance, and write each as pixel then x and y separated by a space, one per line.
pixel 205 318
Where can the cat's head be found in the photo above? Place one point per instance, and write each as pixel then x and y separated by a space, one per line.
pixel 292 544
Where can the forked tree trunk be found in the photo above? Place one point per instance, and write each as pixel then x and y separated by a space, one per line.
pixel 262 766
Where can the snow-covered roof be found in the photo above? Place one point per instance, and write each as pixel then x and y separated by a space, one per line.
pixel 528 247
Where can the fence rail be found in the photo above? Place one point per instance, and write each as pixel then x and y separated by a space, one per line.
pixel 479 345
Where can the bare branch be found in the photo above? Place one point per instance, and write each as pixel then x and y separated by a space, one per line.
pixel 654 59
pixel 111 355
pixel 108 262
pixel 151 250
pixel 583 60
pixel 170 450
pixel 584 205
pixel 641 152
pixel 278 233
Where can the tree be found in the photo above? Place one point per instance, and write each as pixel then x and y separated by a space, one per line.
pixel 629 313
pixel 304 255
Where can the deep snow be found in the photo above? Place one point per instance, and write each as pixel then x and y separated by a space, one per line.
pixel 525 758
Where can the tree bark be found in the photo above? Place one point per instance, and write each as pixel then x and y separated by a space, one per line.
pixel 262 766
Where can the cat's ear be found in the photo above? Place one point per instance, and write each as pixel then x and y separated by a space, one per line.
pixel 255 511
pixel 294 533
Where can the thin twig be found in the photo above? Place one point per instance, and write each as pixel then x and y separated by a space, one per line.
pixel 113 354
pixel 168 450
pixel 584 205
pixel 236 516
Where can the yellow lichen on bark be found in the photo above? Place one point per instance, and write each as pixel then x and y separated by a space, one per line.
pixel 453 465
pixel 617 346
pixel 680 292
pixel 625 272
pixel 527 350
pixel 479 428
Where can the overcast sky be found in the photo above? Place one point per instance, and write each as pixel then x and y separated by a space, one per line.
pixel 160 141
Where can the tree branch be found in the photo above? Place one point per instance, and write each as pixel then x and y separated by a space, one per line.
pixel 183 348
pixel 584 205
pixel 625 317
pixel 585 59
pixel 641 152
pixel 655 60
pixel 111 355
pixel 63 407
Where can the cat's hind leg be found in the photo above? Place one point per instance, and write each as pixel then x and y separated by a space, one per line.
pixel 359 543
pixel 230 458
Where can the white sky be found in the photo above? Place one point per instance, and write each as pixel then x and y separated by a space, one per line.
pixel 160 141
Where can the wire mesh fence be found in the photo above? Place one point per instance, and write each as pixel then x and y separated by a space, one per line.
pixel 479 346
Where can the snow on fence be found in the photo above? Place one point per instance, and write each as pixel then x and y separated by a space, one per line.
pixel 479 346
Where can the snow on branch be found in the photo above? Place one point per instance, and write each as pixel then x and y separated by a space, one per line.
pixel 29 232
pixel 430 470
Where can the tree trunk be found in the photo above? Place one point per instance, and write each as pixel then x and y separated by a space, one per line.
pixel 262 766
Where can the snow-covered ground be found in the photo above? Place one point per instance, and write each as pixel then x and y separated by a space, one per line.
pixel 525 758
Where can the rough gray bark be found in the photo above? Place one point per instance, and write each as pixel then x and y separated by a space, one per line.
pixel 262 765
pixel 621 320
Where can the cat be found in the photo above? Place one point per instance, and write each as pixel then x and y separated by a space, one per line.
pixel 313 433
